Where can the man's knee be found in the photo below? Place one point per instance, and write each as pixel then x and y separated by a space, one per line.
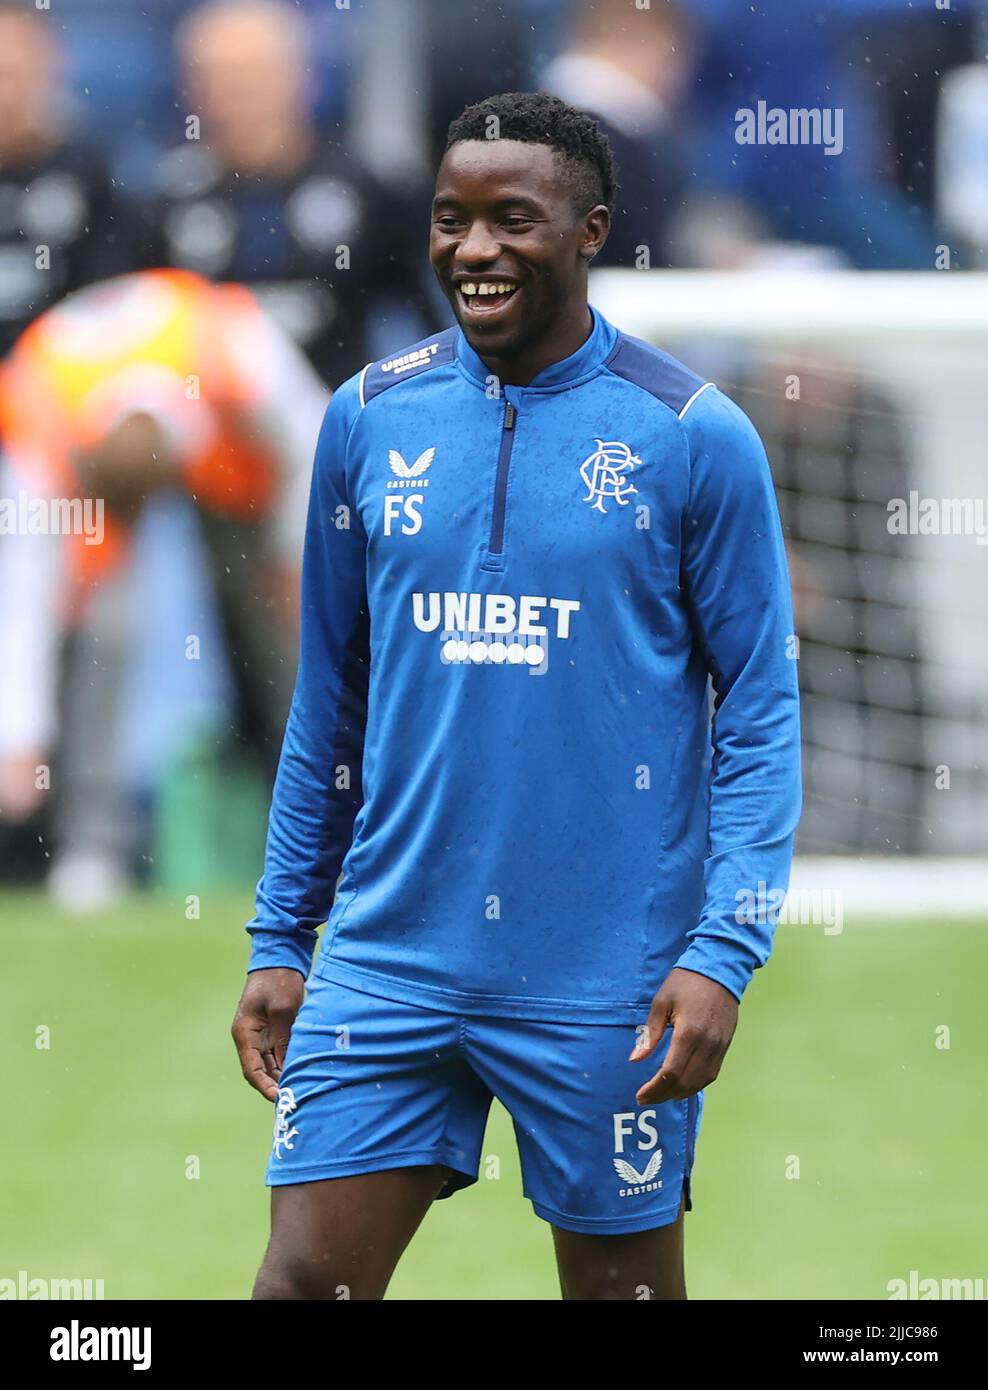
pixel 298 1278
pixel 613 1284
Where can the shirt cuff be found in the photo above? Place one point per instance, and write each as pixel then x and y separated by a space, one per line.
pixel 279 950
pixel 724 962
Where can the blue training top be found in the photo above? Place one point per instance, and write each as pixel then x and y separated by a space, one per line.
pixel 512 598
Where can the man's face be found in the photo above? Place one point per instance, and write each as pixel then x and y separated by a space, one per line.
pixel 28 74
pixel 244 75
pixel 507 245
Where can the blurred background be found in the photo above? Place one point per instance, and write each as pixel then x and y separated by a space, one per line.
pixel 234 198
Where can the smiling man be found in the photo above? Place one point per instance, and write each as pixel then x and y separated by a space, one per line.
pixel 532 540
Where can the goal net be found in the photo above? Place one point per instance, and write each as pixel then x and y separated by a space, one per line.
pixel 870 392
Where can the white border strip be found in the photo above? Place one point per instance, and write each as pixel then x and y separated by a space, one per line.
pixel 698 392
pixel 363 374
pixel 898 887
pixel 764 305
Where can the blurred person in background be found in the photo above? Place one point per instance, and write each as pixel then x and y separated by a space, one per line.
pixel 630 69
pixel 266 199
pixel 61 224
pixel 152 383
pixel 473 47
pixel 800 58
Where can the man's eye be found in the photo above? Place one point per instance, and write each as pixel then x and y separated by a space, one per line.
pixel 447 224
pixel 518 224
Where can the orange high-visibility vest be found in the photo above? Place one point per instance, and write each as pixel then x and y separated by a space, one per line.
pixel 164 340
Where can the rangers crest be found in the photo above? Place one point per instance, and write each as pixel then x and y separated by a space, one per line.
pixel 284 1130
pixel 605 471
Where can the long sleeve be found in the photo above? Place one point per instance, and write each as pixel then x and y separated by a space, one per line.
pixel 318 791
pixel 736 583
pixel 285 401
pixel 32 586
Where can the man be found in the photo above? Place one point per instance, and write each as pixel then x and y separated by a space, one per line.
pixel 530 540
pixel 61 225
pixel 152 382
pixel 630 69
pixel 262 198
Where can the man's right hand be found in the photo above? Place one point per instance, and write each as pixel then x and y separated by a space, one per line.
pixel 264 1018
pixel 20 795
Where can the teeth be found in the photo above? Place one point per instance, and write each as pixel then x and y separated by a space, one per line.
pixel 484 287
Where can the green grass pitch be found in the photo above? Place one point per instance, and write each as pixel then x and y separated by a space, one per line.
pixel 835 1065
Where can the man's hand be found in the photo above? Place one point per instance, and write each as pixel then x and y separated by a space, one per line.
pixel 20 795
pixel 704 1016
pixel 280 587
pixel 264 1018
pixel 130 463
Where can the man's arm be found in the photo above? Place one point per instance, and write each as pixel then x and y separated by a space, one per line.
pixel 735 581
pixel 317 790
pixel 32 584
pixel 285 403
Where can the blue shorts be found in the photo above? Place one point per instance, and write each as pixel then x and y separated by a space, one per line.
pixel 371 1084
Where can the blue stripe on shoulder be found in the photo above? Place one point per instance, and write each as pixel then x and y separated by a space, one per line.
pixel 654 371
pixel 436 351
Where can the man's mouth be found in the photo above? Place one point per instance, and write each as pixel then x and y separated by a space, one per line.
pixel 484 299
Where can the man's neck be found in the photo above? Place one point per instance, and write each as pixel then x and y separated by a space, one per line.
pixel 562 342
pixel 30 145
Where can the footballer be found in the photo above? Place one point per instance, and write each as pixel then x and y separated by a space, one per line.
pixel 532 542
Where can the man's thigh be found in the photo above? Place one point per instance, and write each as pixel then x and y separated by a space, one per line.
pixel 342 1238
pixel 377 1115
pixel 92 812
pixel 644 1266
pixel 257 627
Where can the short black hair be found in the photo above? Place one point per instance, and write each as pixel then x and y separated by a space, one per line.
pixel 536 118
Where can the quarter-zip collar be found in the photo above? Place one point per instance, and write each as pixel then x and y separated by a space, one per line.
pixel 569 371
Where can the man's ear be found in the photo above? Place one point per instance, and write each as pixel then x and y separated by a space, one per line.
pixel 597 224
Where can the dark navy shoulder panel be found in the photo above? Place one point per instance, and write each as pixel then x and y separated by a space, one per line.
pixel 435 351
pixel 654 371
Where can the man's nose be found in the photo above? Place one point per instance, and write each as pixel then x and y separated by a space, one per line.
pixel 479 244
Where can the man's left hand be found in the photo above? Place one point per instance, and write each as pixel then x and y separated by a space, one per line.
pixel 704 1016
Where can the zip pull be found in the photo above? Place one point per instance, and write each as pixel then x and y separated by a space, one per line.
pixel 509 416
